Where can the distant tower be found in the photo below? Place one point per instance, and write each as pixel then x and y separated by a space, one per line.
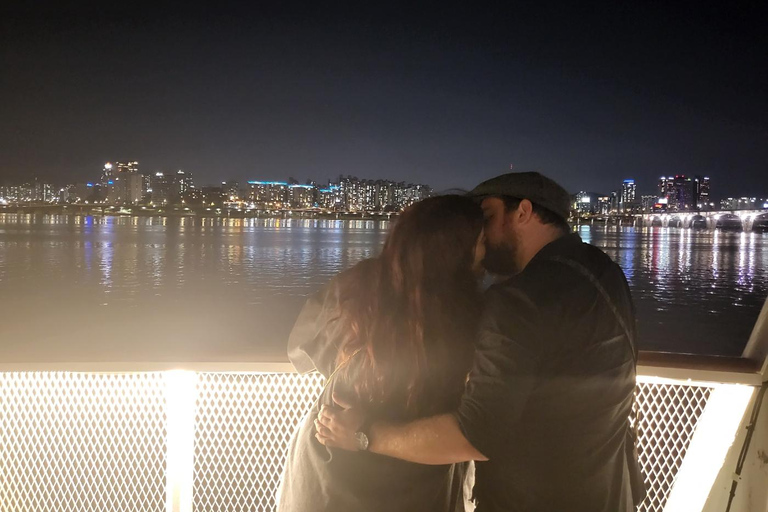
pixel 665 187
pixel 628 191
pixel 704 198
pixel 107 174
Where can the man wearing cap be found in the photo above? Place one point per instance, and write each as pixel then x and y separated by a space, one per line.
pixel 547 404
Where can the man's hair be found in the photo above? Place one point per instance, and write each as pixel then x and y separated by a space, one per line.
pixel 546 216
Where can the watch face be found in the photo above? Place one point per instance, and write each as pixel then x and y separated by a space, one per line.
pixel 362 441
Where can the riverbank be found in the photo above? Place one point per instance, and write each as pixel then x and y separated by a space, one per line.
pixel 182 211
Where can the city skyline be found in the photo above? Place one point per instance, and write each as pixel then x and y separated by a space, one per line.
pixel 124 183
pixel 443 96
pixel 670 190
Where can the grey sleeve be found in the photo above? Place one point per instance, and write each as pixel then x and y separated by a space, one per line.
pixel 312 343
pixel 504 372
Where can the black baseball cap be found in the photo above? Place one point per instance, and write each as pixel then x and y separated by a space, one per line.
pixel 532 186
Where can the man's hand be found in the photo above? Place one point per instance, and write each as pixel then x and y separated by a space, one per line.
pixel 336 426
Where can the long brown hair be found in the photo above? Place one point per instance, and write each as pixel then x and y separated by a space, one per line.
pixel 409 315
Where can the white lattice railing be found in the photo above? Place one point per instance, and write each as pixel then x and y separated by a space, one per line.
pixel 216 441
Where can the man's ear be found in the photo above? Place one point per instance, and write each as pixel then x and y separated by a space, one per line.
pixel 524 212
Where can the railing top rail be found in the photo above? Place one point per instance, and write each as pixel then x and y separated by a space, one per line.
pixel 656 364
pixel 702 368
pixel 698 362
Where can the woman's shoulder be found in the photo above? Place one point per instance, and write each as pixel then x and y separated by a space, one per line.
pixel 313 341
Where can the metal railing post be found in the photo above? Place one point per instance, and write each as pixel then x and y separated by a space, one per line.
pixel 181 389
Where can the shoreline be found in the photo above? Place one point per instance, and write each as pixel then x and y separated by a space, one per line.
pixel 138 211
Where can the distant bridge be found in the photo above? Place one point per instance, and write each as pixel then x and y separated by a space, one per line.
pixel 746 220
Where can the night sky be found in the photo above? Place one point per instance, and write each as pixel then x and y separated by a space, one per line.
pixel 449 96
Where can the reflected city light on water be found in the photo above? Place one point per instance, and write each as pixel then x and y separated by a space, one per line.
pixel 695 290
pixel 124 285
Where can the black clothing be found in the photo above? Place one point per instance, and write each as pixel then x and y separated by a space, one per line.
pixel 550 392
pixel 318 479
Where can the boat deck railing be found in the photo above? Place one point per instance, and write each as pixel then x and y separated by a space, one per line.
pixel 213 437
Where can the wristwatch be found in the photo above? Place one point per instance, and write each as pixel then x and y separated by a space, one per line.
pixel 362 440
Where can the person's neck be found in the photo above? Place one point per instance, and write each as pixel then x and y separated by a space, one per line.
pixel 536 242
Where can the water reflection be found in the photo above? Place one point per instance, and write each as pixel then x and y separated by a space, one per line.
pixel 695 291
pixel 207 286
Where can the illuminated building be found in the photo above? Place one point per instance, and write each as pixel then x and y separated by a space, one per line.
pixel 330 198
pixel 603 206
pixel 126 166
pixel 647 203
pixel 162 188
pixel 704 190
pixel 665 186
pixel 303 196
pixel 127 188
pixel 268 195
pixel 680 192
pixel 615 201
pixel 210 196
pixel 701 193
pixel 584 203
pixel 744 203
pixel 121 183
pixel 182 183
pixel 170 188
pixel 628 191
pixel 231 189
pixel 107 175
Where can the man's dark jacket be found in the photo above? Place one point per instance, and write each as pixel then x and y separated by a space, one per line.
pixel 550 392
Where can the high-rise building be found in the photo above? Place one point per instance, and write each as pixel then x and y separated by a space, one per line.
pixel 705 197
pixel 231 190
pixel 701 192
pixel 268 194
pixel 116 187
pixel 302 196
pixel 182 183
pixel 615 201
pixel 583 204
pixel 679 191
pixel 161 188
pixel 683 192
pixel 665 186
pixel 146 183
pixel 329 198
pixel 648 202
pixel 628 192
pixel 43 192
pixel 126 166
pixel 107 174
pixel 168 188
pixel 127 188
pixel 603 206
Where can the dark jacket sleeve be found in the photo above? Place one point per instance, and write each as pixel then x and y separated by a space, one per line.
pixel 312 343
pixel 504 371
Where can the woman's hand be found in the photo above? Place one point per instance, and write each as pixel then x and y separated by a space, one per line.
pixel 336 426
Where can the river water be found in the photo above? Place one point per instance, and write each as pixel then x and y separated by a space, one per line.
pixel 92 288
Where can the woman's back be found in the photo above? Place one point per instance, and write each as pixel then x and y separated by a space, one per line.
pixel 396 334
pixel 321 479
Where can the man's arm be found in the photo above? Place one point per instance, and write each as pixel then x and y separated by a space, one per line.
pixel 503 375
pixel 433 440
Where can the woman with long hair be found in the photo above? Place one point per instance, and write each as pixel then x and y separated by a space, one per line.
pixel 393 336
